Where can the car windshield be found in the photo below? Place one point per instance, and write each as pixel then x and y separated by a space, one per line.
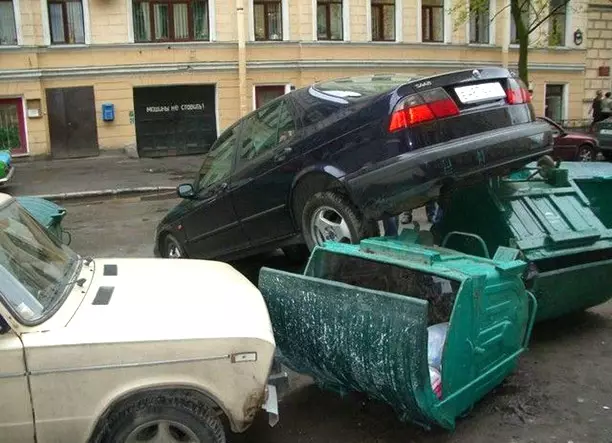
pixel 355 88
pixel 35 269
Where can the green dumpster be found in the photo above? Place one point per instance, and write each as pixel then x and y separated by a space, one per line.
pixel 48 214
pixel 560 225
pixel 358 318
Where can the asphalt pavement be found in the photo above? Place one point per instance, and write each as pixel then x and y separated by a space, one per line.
pixel 561 391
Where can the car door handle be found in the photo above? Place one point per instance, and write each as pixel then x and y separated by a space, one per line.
pixel 282 155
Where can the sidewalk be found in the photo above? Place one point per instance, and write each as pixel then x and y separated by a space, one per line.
pixel 111 172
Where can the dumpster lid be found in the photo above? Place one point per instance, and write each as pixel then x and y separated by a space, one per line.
pixel 543 218
pixel 405 252
pixel 44 211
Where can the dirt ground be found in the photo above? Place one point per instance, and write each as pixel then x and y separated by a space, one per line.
pixel 562 391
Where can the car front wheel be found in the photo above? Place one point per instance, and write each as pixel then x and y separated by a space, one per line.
pixel 331 216
pixel 586 153
pixel 163 418
pixel 172 248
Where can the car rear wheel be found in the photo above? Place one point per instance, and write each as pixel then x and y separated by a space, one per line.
pixel 586 153
pixel 172 248
pixel 163 417
pixel 331 216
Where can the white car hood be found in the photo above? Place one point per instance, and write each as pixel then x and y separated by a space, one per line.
pixel 162 299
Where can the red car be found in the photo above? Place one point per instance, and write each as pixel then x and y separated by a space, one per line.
pixel 572 146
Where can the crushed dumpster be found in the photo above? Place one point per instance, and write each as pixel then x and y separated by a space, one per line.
pixel 560 221
pixel 48 214
pixel 361 316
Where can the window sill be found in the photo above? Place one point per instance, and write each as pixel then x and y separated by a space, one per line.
pixel 481 45
pixel 67 46
pixel 435 43
pixel 9 47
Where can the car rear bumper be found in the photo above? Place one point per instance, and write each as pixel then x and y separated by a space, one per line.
pixel 409 180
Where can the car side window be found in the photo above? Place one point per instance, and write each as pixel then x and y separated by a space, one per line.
pixel 265 129
pixel 218 163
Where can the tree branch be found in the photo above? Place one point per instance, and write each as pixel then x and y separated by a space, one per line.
pixel 551 13
pixel 501 10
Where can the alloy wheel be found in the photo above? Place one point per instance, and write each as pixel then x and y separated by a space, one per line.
pixel 327 224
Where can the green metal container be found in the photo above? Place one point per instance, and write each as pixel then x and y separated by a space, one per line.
pixel 357 321
pixel 560 225
pixel 47 213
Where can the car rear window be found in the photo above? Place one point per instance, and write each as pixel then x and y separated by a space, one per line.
pixel 355 88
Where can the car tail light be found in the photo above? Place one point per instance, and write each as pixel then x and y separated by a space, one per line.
pixel 517 93
pixel 420 108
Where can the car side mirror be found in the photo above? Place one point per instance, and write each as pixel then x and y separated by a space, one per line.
pixel 185 191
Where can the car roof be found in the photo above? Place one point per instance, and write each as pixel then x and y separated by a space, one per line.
pixel 4 198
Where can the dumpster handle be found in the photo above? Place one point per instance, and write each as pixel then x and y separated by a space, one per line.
pixel 533 309
pixel 467 234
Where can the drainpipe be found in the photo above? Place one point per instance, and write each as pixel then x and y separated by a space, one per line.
pixel 506 16
pixel 242 82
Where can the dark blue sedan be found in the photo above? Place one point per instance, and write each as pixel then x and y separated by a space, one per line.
pixel 327 161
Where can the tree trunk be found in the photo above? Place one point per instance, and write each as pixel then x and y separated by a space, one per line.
pixel 522 32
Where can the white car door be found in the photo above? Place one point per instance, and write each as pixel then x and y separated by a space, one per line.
pixel 16 420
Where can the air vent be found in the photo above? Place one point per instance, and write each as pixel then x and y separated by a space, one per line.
pixel 104 295
pixel 110 269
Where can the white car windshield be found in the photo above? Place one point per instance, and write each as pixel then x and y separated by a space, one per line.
pixel 35 268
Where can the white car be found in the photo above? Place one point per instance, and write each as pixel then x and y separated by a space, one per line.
pixel 125 350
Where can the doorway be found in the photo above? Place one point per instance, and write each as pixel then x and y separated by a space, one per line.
pixel 72 122
pixel 12 126
pixel 175 120
pixel 554 107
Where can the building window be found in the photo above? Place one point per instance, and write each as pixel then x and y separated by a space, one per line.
pixel 555 103
pixel 66 21
pixel 161 21
pixel 8 30
pixel 383 20
pixel 479 23
pixel 557 22
pixel 268 19
pixel 329 20
pixel 265 94
pixel 526 21
pixel 432 13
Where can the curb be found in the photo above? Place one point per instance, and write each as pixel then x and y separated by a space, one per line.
pixel 106 192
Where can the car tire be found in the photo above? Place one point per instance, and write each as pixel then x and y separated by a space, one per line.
pixel 172 248
pixel 586 153
pixel 296 253
pixel 340 220
pixel 176 415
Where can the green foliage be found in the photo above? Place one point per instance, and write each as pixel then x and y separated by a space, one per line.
pixel 9 138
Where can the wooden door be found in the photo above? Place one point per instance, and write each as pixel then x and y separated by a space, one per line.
pixel 72 122
pixel 12 126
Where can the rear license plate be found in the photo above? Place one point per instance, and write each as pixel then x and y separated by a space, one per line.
pixel 479 93
pixel 606 131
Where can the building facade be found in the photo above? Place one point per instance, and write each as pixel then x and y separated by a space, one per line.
pixel 167 76
pixel 599 52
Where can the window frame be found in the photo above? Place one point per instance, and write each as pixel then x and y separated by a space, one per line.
pixel 63 4
pixel 266 4
pixel 431 9
pixel 328 19
pixel 381 21
pixel 16 26
pixel 170 20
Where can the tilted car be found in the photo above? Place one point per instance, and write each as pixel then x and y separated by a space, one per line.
pixel 326 161
pixel 123 350
pixel 572 146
